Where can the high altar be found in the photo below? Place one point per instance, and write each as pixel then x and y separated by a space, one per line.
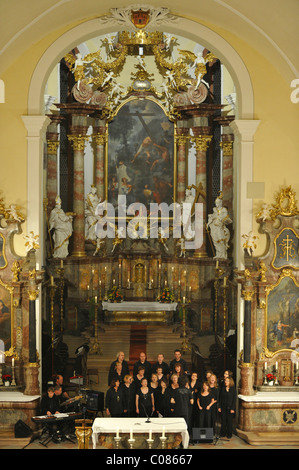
pixel 116 252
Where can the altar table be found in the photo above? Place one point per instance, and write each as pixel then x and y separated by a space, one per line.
pixel 138 426
pixel 129 312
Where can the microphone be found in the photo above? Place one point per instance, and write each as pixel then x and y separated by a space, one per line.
pixel 148 417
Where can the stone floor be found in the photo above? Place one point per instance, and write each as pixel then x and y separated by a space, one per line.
pixel 235 443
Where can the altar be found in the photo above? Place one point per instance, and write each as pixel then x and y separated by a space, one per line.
pixel 135 312
pixel 128 429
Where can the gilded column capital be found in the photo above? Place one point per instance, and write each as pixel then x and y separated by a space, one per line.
pixel 247 294
pixel 78 141
pixel 201 142
pixel 227 148
pixel 100 139
pixel 181 139
pixel 52 146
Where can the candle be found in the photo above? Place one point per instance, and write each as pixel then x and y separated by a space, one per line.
pixel 163 431
pixel 276 365
pixel 150 434
pixel 184 299
pixel 131 433
pixel 13 362
pixel 224 281
pixel 265 365
pixel 117 432
pixel 52 281
pixel 217 264
pixel 61 263
pixel 95 299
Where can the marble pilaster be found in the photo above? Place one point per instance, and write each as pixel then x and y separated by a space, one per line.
pixel 100 139
pixel 182 154
pixel 52 149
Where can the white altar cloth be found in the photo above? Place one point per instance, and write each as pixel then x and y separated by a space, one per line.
pixel 139 306
pixel 17 397
pixel 139 425
pixel 273 397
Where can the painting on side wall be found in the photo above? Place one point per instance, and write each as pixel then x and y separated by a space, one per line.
pixel 6 315
pixel 141 154
pixel 282 313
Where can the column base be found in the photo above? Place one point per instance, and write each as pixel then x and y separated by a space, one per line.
pixel 79 254
pixel 31 379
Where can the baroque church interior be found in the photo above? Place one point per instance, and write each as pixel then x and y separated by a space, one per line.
pixel 148 205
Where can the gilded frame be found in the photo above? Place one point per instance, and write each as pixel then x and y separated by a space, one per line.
pixel 173 144
pixel 289 264
pixel 286 296
pixel 2 252
pixel 7 317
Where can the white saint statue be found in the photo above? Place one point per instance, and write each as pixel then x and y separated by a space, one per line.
pixel 63 229
pixel 91 216
pixel 217 222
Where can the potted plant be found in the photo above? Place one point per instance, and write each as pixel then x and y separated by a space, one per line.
pixel 166 296
pixel 115 294
pixel 7 379
pixel 270 379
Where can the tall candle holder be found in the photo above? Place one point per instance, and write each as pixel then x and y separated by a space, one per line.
pixel 296 371
pixel 218 274
pixel 163 441
pixel 13 382
pixel 60 272
pixel 150 443
pixel 185 344
pixel 96 349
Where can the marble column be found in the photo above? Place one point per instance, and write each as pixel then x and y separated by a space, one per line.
pixel 182 155
pixel 226 144
pixel 99 136
pixel 52 148
pixel 78 142
pixel 202 138
pixel 247 367
pixel 32 367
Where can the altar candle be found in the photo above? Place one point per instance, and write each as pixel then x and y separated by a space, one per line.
pixel 163 431
pixel 217 264
pixel 95 299
pixel 224 281
pixel 276 365
pixel 150 434
pixel 117 432
pixel 131 433
pixel 184 299
pixel 52 281
pixel 265 365
pixel 13 362
pixel 61 263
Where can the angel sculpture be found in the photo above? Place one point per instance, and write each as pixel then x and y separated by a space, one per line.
pixel 249 244
pixel 31 242
pixel 15 215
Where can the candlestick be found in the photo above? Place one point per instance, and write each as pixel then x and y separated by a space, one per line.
pixel 163 431
pixel 131 434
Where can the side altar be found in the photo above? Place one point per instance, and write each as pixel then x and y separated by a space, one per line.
pixel 269 388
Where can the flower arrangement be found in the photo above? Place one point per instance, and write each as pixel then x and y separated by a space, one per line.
pixel 7 378
pixel 270 378
pixel 166 296
pixel 115 294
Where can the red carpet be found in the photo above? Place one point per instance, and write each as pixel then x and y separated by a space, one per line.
pixel 137 343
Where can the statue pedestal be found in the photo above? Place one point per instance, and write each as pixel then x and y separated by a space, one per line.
pixel 31 379
pixel 247 376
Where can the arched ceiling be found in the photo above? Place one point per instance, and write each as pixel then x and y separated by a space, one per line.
pixel 269 26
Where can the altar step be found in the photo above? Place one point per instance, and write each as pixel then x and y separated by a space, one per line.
pixel 112 339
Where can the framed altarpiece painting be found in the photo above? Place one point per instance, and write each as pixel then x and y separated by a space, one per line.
pixel 140 157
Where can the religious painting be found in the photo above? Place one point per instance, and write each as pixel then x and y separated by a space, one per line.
pixel 282 308
pixel 6 315
pixel 286 249
pixel 141 154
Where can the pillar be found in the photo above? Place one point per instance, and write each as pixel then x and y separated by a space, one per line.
pixel 52 149
pixel 32 367
pixel 182 156
pixel 201 138
pixel 100 138
pixel 247 367
pixel 78 142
